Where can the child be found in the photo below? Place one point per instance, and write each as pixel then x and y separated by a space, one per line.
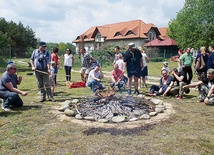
pixel 52 76
pixel 165 66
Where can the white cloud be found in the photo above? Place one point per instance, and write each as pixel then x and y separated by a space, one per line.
pixel 63 21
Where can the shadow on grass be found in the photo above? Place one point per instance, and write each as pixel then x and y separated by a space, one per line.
pixel 18 110
pixel 27 107
pixel 125 132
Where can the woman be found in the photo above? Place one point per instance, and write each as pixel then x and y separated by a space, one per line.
pixel 179 68
pixel 144 72
pixel 203 72
pixel 68 63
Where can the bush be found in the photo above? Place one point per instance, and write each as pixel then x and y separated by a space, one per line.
pixel 157 59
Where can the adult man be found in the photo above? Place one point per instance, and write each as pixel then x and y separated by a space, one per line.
pixel 210 61
pixel 8 88
pixel 40 61
pixel 86 61
pixel 165 81
pixel 181 80
pixel 117 52
pixel 55 58
pixel 185 61
pixel 206 88
pixel 132 62
pixel 94 79
pixel 117 77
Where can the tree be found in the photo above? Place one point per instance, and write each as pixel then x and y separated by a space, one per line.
pixel 16 37
pixel 194 24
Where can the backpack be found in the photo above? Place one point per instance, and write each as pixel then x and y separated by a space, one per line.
pixel 200 64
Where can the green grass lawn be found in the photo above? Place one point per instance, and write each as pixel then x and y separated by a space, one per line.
pixel 32 129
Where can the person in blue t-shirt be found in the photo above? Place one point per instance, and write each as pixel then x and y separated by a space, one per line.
pixel 210 61
pixel 133 63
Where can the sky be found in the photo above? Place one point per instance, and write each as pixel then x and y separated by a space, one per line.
pixel 63 20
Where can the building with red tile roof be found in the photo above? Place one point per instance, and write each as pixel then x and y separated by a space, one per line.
pixel 136 31
pixel 130 31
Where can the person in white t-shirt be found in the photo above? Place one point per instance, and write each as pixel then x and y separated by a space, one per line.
pixel 94 79
pixel 144 72
pixel 68 63
pixel 120 61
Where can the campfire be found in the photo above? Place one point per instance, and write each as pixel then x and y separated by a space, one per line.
pixel 108 107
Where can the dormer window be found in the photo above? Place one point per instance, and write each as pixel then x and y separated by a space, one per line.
pixel 85 37
pixel 129 33
pixel 118 34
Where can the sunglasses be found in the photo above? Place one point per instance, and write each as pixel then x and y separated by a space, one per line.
pixel 14 68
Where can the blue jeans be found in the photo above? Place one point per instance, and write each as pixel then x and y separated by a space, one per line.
pixel 55 73
pixel 119 85
pixel 94 85
pixel 156 89
pixel 10 98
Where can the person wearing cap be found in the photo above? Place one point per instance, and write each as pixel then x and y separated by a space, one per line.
pixel 68 63
pixel 133 63
pixel 9 91
pixel 165 67
pixel 55 58
pixel 40 61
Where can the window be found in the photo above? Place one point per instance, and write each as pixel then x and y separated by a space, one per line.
pixel 118 34
pixel 129 33
pixel 99 38
pixel 151 36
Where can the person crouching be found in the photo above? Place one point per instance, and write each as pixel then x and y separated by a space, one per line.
pixel 94 79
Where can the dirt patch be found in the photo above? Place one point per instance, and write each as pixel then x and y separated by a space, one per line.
pixel 124 125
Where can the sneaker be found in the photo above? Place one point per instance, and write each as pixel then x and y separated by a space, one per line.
pixel 42 100
pixel 136 92
pixel 129 91
pixel 179 97
pixel 51 99
pixel 6 109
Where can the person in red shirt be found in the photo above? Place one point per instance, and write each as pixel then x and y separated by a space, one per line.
pixel 55 58
pixel 117 77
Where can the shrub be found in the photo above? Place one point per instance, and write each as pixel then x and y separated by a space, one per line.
pixel 157 59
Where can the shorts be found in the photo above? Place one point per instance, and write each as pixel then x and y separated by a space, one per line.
pixel 144 72
pixel 136 74
pixel 85 70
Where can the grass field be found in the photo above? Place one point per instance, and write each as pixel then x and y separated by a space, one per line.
pixel 32 129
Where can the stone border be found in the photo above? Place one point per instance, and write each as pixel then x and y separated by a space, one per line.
pixel 123 125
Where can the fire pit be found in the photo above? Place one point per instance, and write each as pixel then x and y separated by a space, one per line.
pixel 108 107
